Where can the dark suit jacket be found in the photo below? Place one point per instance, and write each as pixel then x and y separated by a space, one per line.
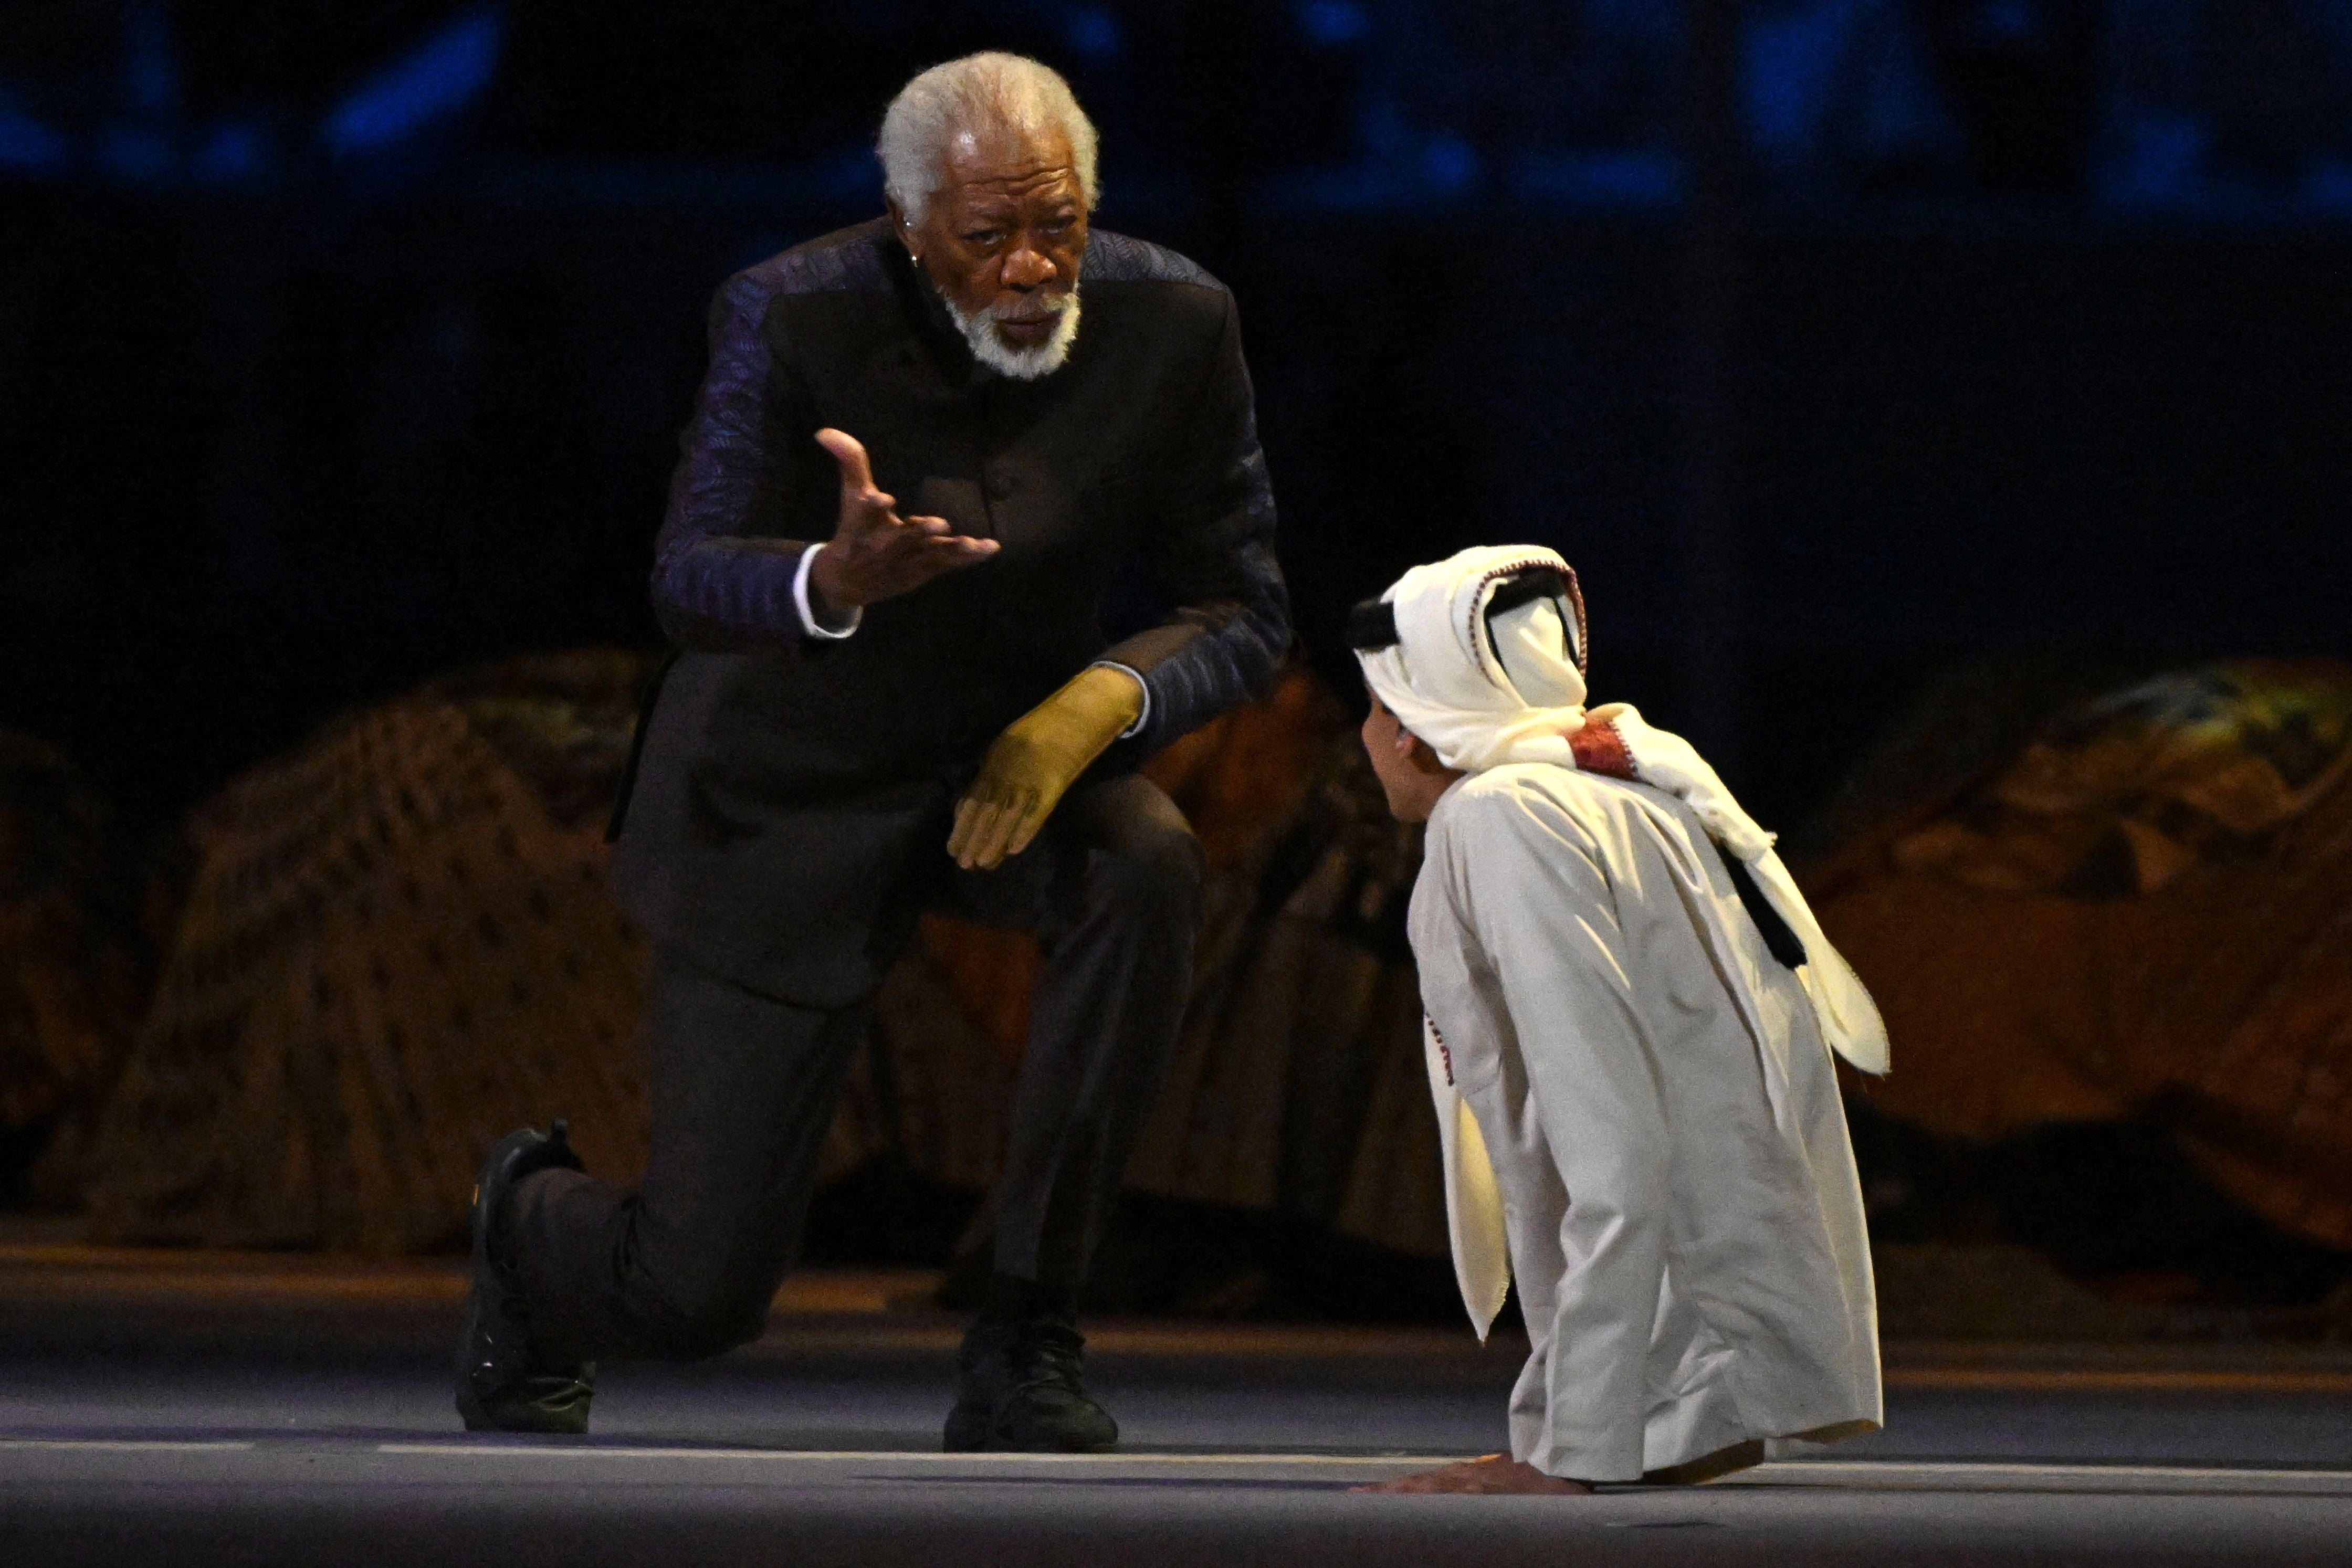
pixel 790 786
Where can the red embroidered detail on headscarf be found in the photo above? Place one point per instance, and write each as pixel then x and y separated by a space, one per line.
pixel 1600 750
pixel 1444 1056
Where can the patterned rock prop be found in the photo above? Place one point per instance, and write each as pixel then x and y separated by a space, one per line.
pixel 2144 910
pixel 398 944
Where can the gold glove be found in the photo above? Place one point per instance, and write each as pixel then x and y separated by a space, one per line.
pixel 1036 760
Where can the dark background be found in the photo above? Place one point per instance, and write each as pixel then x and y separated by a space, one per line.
pixel 1832 341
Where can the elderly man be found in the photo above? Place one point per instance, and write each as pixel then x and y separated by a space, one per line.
pixel 910 493
pixel 1630 1014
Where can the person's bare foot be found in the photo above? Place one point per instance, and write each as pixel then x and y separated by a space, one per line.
pixel 1492 1473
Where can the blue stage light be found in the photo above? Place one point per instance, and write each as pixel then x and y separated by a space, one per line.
pixel 1332 24
pixel 1094 34
pixel 27 145
pixel 432 82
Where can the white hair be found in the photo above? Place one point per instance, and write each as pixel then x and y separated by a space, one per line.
pixel 986 91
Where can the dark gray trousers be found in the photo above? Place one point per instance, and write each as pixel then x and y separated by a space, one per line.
pixel 745 1088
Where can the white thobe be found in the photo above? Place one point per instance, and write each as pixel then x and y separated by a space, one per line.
pixel 1651 1089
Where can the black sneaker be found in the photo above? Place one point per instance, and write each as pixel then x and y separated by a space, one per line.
pixel 504 1385
pixel 1019 1391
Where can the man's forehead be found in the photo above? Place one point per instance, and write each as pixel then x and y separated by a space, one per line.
pixel 1007 164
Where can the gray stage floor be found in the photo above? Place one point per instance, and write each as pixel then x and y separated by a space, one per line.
pixel 237 1417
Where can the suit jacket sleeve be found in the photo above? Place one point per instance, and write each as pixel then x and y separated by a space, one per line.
pixel 718 582
pixel 1211 549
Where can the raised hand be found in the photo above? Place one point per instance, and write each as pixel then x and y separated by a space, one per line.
pixel 875 553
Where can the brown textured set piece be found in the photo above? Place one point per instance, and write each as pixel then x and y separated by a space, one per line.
pixel 395 947
pixel 2146 912
pixel 398 943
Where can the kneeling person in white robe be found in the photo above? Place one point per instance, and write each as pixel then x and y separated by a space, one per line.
pixel 1631 1012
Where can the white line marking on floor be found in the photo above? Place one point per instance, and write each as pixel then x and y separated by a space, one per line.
pixel 1983 1476
pixel 127 1445
pixel 878 1456
pixel 1985 1469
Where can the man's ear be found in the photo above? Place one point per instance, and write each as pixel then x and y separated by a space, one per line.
pixel 899 223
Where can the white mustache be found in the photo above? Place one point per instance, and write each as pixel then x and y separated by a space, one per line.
pixel 1054 305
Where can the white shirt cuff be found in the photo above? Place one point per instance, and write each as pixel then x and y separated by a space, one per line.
pixel 809 623
pixel 1142 718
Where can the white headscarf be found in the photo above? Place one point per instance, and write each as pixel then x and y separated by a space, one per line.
pixel 1482 691
pixel 1445 677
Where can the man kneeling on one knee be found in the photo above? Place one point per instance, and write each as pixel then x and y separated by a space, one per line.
pixel 1630 1013
pixel 908 500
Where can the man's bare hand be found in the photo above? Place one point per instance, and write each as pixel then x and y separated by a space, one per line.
pixel 875 553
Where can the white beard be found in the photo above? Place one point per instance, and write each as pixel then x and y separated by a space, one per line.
pixel 1021 364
